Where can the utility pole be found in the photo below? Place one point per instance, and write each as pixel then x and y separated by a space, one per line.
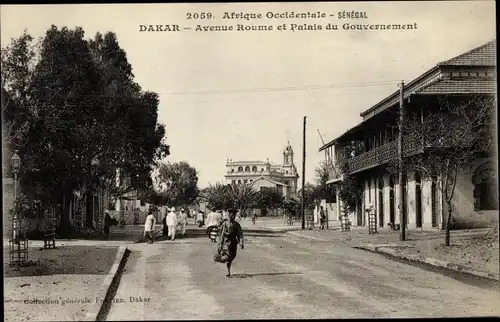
pixel 402 219
pixel 304 175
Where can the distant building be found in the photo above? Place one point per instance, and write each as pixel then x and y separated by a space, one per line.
pixel 264 174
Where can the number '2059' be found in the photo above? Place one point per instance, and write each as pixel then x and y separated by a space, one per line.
pixel 202 15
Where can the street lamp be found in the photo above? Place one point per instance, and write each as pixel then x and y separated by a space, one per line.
pixel 16 165
pixel 18 246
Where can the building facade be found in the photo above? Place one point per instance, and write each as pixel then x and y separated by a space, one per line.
pixel 265 174
pixel 370 147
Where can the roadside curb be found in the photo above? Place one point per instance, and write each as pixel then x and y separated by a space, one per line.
pixel 104 292
pixel 429 261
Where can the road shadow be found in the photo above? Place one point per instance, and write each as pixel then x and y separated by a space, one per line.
pixel 264 274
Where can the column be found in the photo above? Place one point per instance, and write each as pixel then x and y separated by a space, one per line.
pixel 411 200
pixel 366 201
pixel 387 200
pixel 426 185
pixel 339 211
pixel 397 201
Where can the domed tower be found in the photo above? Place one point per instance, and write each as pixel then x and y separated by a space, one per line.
pixel 290 175
pixel 288 155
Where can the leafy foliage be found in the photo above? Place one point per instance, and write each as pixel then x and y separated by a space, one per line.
pixel 241 197
pixel 269 197
pixel 177 183
pixel 350 190
pixel 71 102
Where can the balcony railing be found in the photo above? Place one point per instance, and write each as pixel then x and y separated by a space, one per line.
pixel 383 154
pixel 374 157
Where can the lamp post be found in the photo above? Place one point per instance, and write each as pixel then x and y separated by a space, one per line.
pixel 16 165
pixel 94 164
pixel 18 245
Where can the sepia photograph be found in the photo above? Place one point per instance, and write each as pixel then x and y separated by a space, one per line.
pixel 265 160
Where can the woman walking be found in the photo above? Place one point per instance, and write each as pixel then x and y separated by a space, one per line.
pixel 231 236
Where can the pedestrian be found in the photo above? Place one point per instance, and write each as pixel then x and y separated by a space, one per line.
pixel 199 218
pixel 322 218
pixel 213 220
pixel 231 236
pixel 238 217
pixel 254 216
pixel 149 226
pixel 171 223
pixel 164 226
pixel 108 222
pixel 182 221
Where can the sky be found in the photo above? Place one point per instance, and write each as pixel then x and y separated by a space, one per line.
pixel 243 94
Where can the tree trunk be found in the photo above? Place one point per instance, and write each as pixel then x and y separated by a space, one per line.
pixel 448 225
pixel 65 227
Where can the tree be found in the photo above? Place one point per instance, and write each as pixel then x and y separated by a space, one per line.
pixel 310 195
pixel 269 197
pixel 218 196
pixel 177 183
pixel 17 62
pixel 453 135
pixel 243 196
pixel 350 190
pixel 77 103
pixel 240 197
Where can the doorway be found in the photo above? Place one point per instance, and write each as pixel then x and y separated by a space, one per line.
pixel 418 200
pixel 381 202
pixel 434 203
pixel 392 201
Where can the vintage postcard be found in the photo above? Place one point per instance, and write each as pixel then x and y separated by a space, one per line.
pixel 294 160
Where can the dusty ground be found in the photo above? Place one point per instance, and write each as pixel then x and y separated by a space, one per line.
pixel 287 277
pixel 473 251
pixel 60 284
pixel 468 247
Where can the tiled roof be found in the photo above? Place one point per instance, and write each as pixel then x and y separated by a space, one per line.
pixel 485 55
pixel 466 86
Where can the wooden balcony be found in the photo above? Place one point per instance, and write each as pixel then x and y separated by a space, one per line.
pixel 373 157
pixel 383 154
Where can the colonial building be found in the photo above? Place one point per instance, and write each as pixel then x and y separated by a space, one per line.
pixel 369 147
pixel 264 174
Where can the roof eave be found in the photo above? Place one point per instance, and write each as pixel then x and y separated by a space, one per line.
pixel 395 94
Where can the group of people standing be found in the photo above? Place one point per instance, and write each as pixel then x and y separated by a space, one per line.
pixel 171 222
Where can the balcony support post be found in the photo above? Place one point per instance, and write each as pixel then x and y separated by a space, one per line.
pixel 402 231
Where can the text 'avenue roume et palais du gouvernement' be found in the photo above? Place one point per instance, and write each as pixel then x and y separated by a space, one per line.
pixel 277 21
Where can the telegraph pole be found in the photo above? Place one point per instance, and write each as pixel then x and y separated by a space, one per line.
pixel 402 219
pixel 304 175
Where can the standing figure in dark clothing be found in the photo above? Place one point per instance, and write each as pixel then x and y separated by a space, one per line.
pixel 107 223
pixel 231 236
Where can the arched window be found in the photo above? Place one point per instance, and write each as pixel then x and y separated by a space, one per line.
pixel 240 169
pixel 232 170
pixel 247 169
pixel 485 189
pixel 254 169
pixel 239 181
